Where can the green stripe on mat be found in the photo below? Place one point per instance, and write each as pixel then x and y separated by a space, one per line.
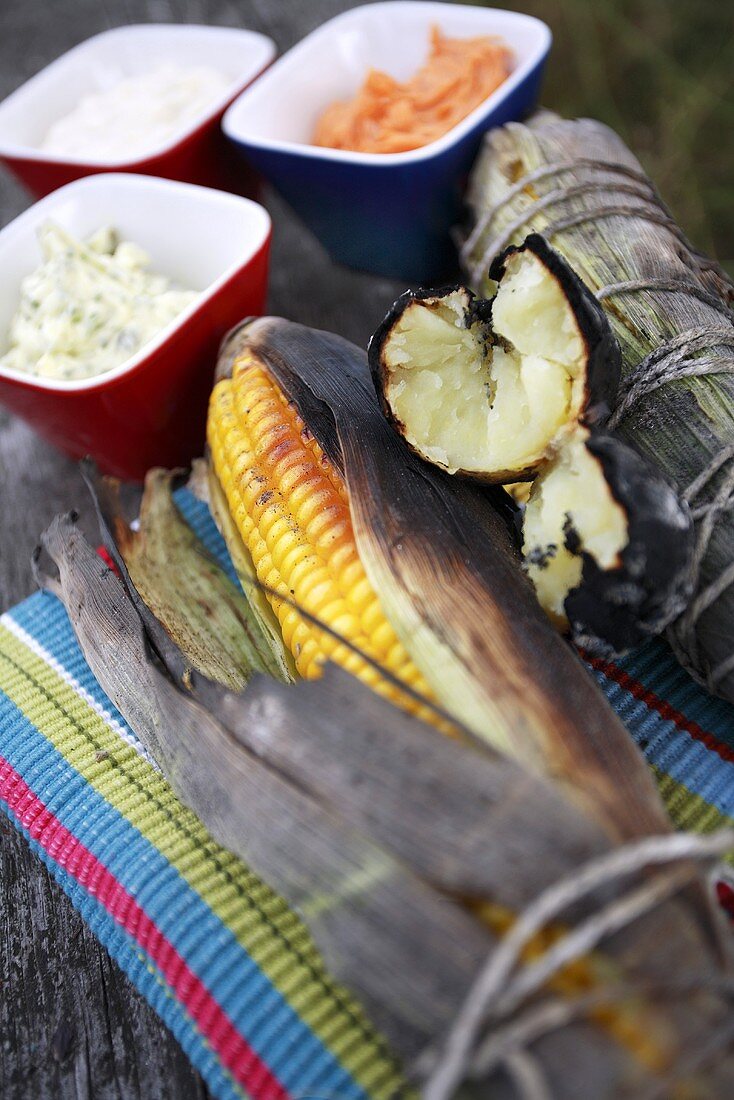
pixel 689 810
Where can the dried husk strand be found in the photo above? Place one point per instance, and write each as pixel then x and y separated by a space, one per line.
pixel 186 600
pixel 364 909
pixel 575 182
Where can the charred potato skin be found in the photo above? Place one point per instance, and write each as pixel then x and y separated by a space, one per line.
pixel 652 583
pixel 376 347
pixel 477 311
pixel 603 354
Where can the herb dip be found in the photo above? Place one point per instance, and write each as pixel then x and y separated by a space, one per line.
pixel 89 307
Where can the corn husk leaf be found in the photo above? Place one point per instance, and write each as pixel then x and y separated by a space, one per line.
pixel 183 595
pixel 406 951
pixel 602 213
pixel 431 801
pixel 435 803
pixel 344 885
pixel 441 557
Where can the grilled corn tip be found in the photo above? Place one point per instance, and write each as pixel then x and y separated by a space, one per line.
pixel 291 508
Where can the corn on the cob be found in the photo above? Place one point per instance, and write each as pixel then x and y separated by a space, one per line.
pixel 628 1021
pixel 291 508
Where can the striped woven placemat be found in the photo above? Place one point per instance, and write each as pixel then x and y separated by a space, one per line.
pixel 229 968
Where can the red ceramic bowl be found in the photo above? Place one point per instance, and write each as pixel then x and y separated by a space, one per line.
pixel 197 153
pixel 151 410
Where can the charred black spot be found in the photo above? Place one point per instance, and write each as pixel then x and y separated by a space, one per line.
pixel 479 312
pixel 571 538
pixel 617 608
pixel 541 555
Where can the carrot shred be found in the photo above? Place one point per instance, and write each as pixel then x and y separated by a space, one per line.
pixel 389 117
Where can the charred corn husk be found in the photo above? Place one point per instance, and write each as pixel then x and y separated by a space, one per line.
pixel 575 182
pixel 437 551
pixel 291 509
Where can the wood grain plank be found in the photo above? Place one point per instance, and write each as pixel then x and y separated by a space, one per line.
pixel 72 1027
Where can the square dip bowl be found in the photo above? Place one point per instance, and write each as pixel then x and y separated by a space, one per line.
pixel 387 213
pixel 150 410
pixel 195 153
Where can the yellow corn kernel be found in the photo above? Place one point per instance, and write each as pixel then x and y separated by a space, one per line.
pixel 292 510
pixel 631 1023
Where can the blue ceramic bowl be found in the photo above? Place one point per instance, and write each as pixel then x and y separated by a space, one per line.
pixel 390 214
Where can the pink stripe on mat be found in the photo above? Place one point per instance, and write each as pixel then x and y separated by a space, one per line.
pixel 234 1052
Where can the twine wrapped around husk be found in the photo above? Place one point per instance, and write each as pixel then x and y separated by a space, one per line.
pixel 575 182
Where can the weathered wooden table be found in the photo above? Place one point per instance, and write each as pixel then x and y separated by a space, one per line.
pixel 71 1024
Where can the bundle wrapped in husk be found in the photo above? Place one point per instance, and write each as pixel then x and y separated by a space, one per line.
pixel 575 182
pixel 406 852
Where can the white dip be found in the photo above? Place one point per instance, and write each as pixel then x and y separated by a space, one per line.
pixel 89 307
pixel 136 115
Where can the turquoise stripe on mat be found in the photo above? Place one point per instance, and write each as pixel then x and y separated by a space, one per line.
pixel 655 665
pixel 44 618
pixel 673 750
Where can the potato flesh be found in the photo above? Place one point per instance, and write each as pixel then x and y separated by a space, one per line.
pixel 571 490
pixel 486 409
pixel 533 313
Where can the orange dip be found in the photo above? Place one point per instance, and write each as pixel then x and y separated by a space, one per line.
pixel 388 117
